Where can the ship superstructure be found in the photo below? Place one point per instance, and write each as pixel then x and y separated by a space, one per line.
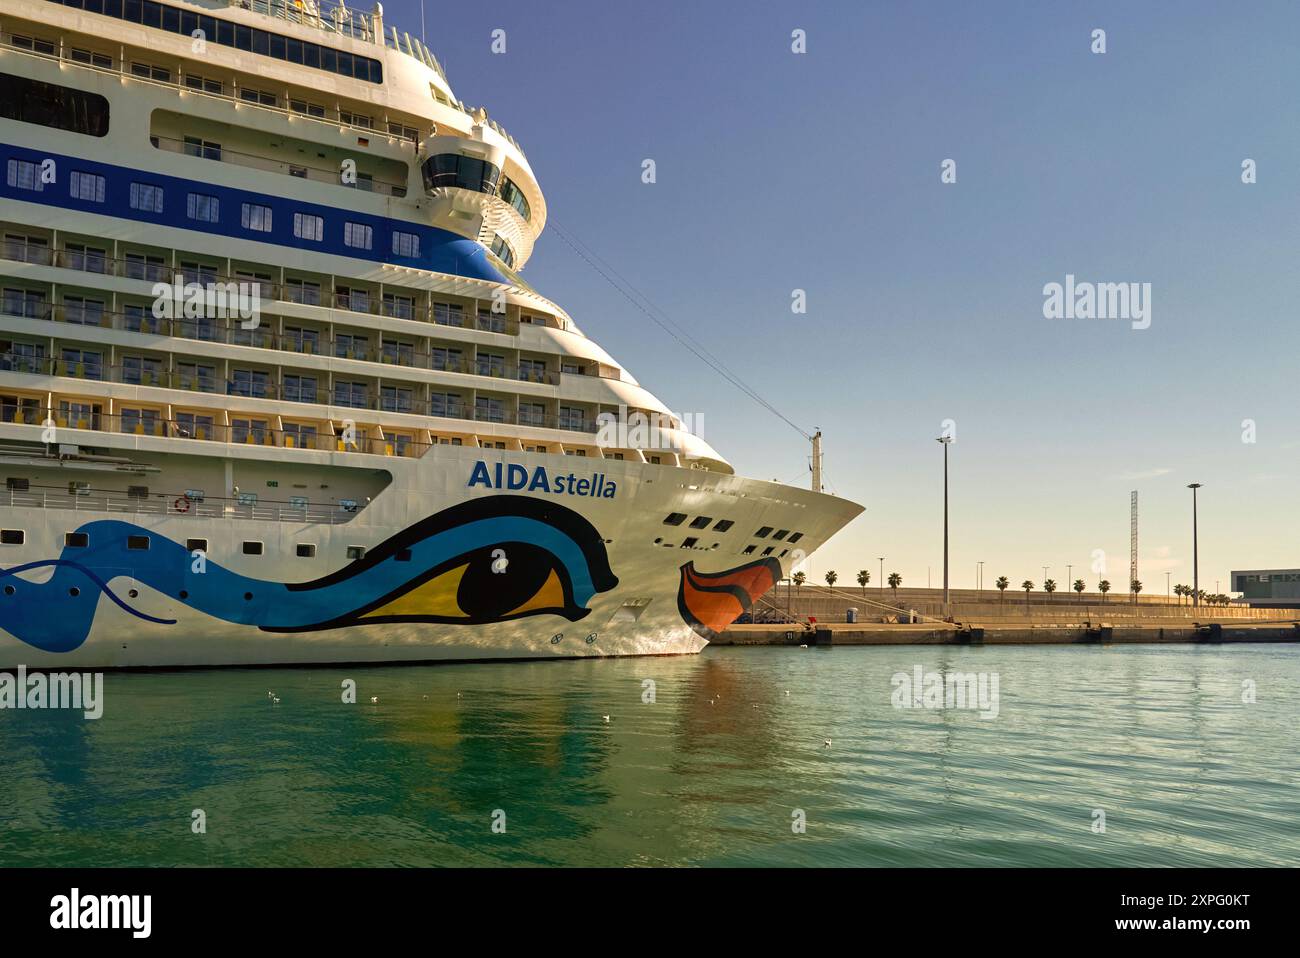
pixel 273 390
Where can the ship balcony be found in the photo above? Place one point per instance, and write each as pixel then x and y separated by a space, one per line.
pixel 175 505
pixel 395 129
pixel 244 429
pixel 341 345
pixel 329 175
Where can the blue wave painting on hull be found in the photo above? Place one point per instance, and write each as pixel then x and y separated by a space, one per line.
pixel 486 560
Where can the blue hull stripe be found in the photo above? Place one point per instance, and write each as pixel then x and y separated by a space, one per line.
pixel 441 251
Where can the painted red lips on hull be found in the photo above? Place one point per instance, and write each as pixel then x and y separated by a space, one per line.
pixel 711 601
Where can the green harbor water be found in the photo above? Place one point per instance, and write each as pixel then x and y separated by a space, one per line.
pixel 712 772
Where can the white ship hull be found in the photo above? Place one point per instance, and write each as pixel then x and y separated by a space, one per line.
pixel 640 615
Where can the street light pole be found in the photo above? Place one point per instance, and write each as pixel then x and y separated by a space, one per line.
pixel 1196 591
pixel 945 441
pixel 882 574
pixel 1168 594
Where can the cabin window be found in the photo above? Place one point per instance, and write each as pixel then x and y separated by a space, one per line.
pixel 76 540
pixel 146 198
pixel 203 208
pixel 252 548
pixel 406 244
pixel 86 186
pixel 12 537
pixel 254 216
pixel 358 235
pixel 308 227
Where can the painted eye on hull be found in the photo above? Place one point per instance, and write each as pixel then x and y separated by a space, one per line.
pixel 491 584
pixel 487 560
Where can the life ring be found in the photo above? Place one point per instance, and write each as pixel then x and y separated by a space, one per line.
pixel 181 504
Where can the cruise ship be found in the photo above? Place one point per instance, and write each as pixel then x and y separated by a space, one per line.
pixel 272 390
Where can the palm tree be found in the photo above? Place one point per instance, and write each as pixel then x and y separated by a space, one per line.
pixel 1049 587
pixel 1135 586
pixel 1028 586
pixel 863 578
pixel 831 577
pixel 1002 584
pixel 799 578
pixel 1178 591
pixel 1079 587
pixel 1103 587
pixel 895 580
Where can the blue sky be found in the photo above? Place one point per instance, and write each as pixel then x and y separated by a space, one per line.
pixel 821 172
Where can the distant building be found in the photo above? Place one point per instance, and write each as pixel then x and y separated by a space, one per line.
pixel 1269 588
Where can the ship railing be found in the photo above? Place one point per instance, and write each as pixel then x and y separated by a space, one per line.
pixel 121 69
pixel 258 429
pixel 243 429
pixel 412 47
pixel 231 332
pixel 321 14
pixel 178 503
pixel 417 306
pixel 349 26
pixel 366 184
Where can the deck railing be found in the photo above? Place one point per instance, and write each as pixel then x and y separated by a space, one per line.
pixel 178 504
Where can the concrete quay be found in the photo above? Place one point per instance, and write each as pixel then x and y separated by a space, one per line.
pixel 1098 632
